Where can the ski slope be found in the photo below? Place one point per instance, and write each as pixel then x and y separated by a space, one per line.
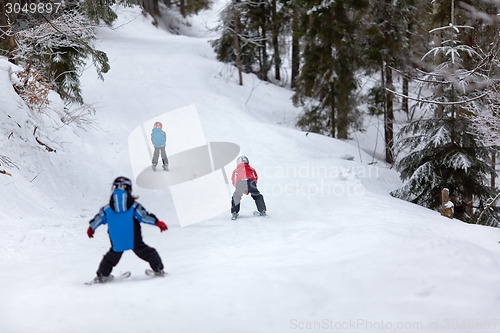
pixel 337 252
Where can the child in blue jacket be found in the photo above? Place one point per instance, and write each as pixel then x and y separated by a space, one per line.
pixel 159 140
pixel 123 216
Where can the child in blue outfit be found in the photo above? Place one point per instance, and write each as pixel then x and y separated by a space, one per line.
pixel 123 216
pixel 159 139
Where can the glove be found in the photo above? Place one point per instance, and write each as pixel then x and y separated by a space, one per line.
pixel 161 225
pixel 90 232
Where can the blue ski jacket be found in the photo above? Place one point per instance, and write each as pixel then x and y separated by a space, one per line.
pixel 122 215
pixel 158 137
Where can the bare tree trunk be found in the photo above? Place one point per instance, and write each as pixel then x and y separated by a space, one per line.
pixel 389 117
pixel 295 47
pixel 493 165
pixel 264 65
pixel 151 6
pixel 275 32
pixel 468 205
pixel 438 41
pixel 182 7
pixel 332 112
pixel 237 49
pixel 342 105
pixel 406 90
pixel 7 41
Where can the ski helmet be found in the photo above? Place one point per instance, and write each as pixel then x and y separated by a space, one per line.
pixel 242 159
pixel 158 125
pixel 122 183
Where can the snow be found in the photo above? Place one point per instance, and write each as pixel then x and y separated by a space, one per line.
pixel 336 252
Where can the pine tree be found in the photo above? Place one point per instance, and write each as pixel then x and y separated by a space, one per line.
pixel 244 37
pixel 97 11
pixel 443 152
pixel 327 82
pixel 57 49
pixel 387 47
pixel 189 7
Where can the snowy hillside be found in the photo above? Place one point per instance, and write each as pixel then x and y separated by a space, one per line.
pixel 336 253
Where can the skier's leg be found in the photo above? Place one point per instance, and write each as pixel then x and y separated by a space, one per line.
pixel 259 198
pixel 109 261
pixel 149 254
pixel 164 156
pixel 156 155
pixel 235 208
pixel 241 188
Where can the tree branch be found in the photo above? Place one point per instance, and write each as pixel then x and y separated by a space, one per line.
pixel 435 102
pixel 487 207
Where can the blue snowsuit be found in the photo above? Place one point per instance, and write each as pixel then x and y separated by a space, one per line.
pixel 158 137
pixel 123 216
pixel 159 140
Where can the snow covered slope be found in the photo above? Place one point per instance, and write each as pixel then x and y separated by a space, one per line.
pixel 336 253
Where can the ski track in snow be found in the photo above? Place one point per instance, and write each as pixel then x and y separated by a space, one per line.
pixel 335 246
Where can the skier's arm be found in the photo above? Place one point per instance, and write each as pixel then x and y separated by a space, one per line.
pixel 142 215
pixel 255 174
pixel 234 177
pixel 99 219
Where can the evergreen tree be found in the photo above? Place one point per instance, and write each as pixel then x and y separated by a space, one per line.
pixel 387 47
pixel 54 46
pixel 58 49
pixel 97 11
pixel 327 82
pixel 244 37
pixel 443 151
pixel 189 7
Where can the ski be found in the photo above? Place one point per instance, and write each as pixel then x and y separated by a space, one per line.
pixel 150 272
pixel 124 275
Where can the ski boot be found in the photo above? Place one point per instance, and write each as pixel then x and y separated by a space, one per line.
pixel 153 167
pixel 165 167
pixel 103 279
pixel 234 216
pixel 263 213
pixel 159 273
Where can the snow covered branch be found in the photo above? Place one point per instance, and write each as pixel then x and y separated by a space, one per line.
pixel 437 102
pixel 67 31
pixel 487 128
pixel 57 50
pixel 488 206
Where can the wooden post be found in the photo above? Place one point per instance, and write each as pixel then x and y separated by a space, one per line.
pixel 446 205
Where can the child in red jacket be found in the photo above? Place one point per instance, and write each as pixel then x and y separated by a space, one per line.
pixel 244 179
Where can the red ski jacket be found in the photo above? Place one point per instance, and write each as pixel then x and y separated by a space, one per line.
pixel 243 171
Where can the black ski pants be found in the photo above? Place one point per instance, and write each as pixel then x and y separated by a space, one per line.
pixel 247 186
pixel 142 250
